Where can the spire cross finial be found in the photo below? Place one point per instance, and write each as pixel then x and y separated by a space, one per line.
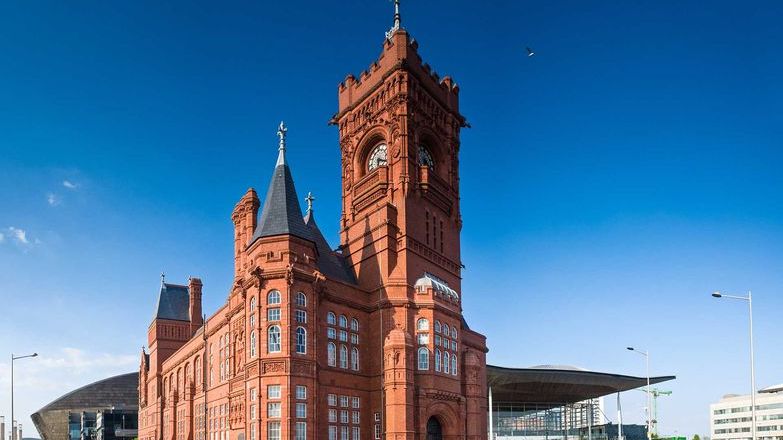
pixel 309 199
pixel 281 131
pixel 162 277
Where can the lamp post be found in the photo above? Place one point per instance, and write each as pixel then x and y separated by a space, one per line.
pixel 749 299
pixel 14 358
pixel 646 355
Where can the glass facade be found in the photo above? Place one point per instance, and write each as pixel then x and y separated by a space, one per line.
pixel 103 425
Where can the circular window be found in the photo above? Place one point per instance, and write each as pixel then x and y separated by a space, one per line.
pixel 378 157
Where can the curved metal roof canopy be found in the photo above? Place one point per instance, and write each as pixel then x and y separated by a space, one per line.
pixel 555 387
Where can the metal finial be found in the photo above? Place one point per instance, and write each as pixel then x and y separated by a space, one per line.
pixel 162 278
pixel 397 20
pixel 309 199
pixel 281 132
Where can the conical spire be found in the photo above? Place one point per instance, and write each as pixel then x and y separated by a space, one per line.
pixel 281 213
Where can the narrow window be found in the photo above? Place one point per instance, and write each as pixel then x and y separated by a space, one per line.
pixel 301 299
pixel 331 319
pixel 446 363
pixel 331 354
pixel 424 359
pixel 274 339
pixel 343 321
pixel 454 364
pixel 354 324
pixel 355 359
pixel 253 344
pixel 301 340
pixel 343 356
pixel 437 360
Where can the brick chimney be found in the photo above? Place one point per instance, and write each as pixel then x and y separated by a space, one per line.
pixel 194 290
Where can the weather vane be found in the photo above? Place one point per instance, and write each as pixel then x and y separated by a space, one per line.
pixel 309 199
pixel 281 131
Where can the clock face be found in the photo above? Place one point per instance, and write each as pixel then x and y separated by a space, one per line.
pixel 378 157
pixel 425 158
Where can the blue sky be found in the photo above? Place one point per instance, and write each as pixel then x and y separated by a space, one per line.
pixel 609 183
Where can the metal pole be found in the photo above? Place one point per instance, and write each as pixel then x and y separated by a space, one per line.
pixel 619 418
pixel 649 407
pixel 491 427
pixel 13 421
pixel 752 370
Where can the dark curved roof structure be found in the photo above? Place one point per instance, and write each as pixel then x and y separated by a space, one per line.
pixel 118 392
pixel 558 385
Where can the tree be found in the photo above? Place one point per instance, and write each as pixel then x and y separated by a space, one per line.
pixel 696 437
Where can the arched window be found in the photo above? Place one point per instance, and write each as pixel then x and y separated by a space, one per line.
pixel 377 157
pixel 454 364
pixel 446 363
pixel 343 321
pixel 437 360
pixel 454 332
pixel 331 354
pixel 273 297
pixel 301 340
pixel 354 324
pixel 343 356
pixel 437 326
pixel 422 324
pixel 331 319
pixel 446 330
pixel 252 304
pixel 355 359
pixel 252 344
pixel 424 359
pixel 273 345
pixel 301 299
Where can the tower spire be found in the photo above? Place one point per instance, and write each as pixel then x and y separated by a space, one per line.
pixel 397 20
pixel 281 132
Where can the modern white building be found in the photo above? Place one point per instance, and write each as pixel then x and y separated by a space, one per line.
pixel 730 418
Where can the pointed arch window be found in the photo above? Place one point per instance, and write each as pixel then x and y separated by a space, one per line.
pixel 343 356
pixel 355 359
pixel 273 297
pixel 252 344
pixel 331 354
pixel 378 157
pixel 423 359
pixel 301 340
pixel 273 345
pixel 301 299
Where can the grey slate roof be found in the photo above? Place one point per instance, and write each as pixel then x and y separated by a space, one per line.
pixel 281 214
pixel 173 303
pixel 330 263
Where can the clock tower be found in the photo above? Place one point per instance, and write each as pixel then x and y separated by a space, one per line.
pixel 399 129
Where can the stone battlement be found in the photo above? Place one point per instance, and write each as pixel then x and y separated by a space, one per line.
pixel 400 51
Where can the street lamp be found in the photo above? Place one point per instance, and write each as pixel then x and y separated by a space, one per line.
pixel 749 299
pixel 646 355
pixel 13 358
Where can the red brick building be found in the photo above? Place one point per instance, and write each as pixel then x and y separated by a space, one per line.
pixel 366 342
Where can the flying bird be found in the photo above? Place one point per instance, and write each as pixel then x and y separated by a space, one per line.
pixel 530 52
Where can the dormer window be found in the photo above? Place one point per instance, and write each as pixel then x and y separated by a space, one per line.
pixel 378 157
pixel 425 157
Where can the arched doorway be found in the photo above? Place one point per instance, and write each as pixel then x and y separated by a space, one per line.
pixel 434 430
